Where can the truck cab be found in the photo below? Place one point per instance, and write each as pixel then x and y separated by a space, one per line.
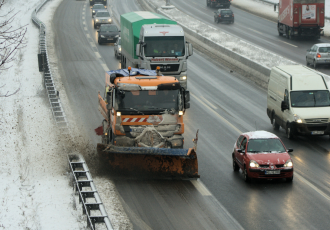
pixel 165 46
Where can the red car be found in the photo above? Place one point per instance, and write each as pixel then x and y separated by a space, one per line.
pixel 261 154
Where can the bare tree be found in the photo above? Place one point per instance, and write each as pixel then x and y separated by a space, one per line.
pixel 11 38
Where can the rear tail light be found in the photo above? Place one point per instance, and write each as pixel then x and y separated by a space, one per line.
pixel 233 15
pixel 318 55
pixel 219 15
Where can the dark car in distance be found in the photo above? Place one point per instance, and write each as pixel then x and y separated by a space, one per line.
pixel 224 15
pixel 108 33
pixel 96 8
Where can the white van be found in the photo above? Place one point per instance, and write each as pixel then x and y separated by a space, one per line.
pixel 298 101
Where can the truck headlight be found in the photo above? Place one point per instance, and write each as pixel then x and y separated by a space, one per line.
pixel 183 78
pixel 254 164
pixel 118 114
pixel 288 163
pixel 297 118
pixel 180 113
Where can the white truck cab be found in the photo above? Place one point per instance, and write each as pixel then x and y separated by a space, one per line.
pixel 298 101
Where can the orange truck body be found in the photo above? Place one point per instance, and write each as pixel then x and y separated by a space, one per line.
pixel 143 123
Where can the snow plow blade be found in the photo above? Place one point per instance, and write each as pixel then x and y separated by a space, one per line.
pixel 158 162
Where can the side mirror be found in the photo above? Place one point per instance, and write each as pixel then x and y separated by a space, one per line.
pixel 137 51
pixel 119 30
pixel 284 106
pixel 190 49
pixel 186 96
pixel 290 150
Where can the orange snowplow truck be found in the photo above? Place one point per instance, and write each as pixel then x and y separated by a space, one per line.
pixel 143 124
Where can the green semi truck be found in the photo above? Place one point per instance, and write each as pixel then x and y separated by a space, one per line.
pixel 150 40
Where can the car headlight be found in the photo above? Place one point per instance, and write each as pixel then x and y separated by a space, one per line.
pixel 117 36
pixel 183 78
pixel 254 164
pixel 120 49
pixel 297 118
pixel 96 20
pixel 288 163
pixel 109 20
pixel 102 36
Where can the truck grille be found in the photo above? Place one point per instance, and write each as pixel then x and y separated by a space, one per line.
pixel 166 68
pixel 317 121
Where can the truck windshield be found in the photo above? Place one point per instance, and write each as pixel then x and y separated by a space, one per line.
pixel 310 98
pixel 148 100
pixel 164 46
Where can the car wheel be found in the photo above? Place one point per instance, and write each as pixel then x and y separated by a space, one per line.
pixel 289 133
pixel 232 21
pixel 307 62
pixel 275 125
pixel 116 54
pixel 99 41
pixel 94 26
pixel 289 179
pixel 314 64
pixel 218 20
pixel 246 176
pixel 235 165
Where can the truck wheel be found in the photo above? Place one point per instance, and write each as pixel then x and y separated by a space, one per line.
pixel 314 64
pixel 235 165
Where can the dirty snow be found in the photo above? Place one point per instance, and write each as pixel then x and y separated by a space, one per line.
pixel 35 190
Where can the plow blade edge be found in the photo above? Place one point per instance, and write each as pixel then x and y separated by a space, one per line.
pixel 159 162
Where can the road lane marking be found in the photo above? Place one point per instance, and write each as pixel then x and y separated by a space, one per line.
pixel 105 67
pixel 92 44
pixel 83 17
pixel 288 43
pixel 255 31
pixel 209 103
pixel 88 36
pixel 97 54
pixel 221 117
pixel 85 28
pixel 84 22
pixel 201 188
pixel 312 186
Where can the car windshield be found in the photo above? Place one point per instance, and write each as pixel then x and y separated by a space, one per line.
pixel 109 28
pixel 226 12
pixel 98 7
pixel 310 98
pixel 265 145
pixel 147 100
pixel 102 14
pixel 324 49
pixel 164 46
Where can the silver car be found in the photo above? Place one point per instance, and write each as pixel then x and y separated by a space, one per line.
pixel 319 54
pixel 102 17
pixel 117 48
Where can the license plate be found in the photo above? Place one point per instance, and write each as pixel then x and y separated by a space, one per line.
pixel 110 39
pixel 226 16
pixel 273 172
pixel 317 132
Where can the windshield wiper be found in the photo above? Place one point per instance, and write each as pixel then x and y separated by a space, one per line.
pixel 133 109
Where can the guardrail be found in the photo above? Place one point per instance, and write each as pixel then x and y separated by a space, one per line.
pixel 43 61
pixel 83 179
pixel 62 124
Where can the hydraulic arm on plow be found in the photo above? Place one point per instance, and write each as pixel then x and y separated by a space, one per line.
pixel 143 124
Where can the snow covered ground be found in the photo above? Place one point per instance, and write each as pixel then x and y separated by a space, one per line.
pixel 35 189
